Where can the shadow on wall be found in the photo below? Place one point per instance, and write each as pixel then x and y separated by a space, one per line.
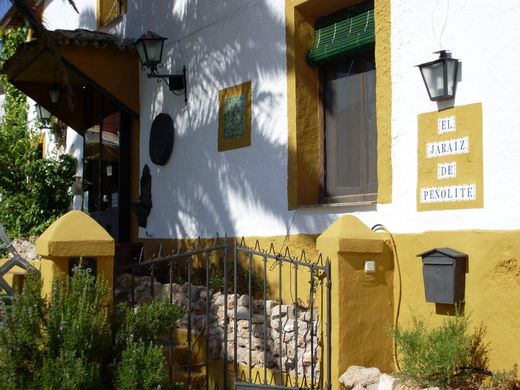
pixel 87 19
pixel 200 191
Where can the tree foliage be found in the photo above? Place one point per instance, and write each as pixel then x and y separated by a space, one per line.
pixel 33 190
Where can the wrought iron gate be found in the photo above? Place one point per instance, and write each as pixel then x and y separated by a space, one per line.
pixel 265 335
pixel 298 315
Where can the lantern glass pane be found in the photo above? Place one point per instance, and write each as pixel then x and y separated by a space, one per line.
pixel 54 95
pixel 433 77
pixel 42 114
pixel 452 74
pixel 139 46
pixel 154 50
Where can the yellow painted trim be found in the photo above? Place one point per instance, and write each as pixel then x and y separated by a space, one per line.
pixel 75 234
pixel 383 56
pixel 102 4
pixel 303 101
pixel 245 139
pixel 492 286
pixel 361 302
pixel 469 166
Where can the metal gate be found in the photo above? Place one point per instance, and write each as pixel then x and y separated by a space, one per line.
pixel 240 315
pixel 15 260
pixel 293 362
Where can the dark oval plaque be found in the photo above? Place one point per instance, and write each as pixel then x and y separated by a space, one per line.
pixel 161 139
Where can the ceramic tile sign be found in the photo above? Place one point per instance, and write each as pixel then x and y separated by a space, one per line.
pixel 234 122
pixel 449 157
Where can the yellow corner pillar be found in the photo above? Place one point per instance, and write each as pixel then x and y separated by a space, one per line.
pixel 73 236
pixel 362 300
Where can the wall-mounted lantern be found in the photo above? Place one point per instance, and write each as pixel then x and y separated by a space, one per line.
pixel 43 115
pixel 149 48
pixel 54 95
pixel 440 76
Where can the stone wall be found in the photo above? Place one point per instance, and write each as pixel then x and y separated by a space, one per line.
pixel 277 330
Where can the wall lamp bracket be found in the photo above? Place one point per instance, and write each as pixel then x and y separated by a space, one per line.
pixel 149 48
pixel 175 82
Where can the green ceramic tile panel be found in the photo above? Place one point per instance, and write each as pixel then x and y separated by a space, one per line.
pixel 234 117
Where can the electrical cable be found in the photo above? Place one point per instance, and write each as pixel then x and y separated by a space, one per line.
pixel 376 228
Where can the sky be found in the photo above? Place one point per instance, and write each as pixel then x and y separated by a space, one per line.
pixel 4 6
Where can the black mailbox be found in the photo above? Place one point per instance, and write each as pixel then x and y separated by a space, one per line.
pixel 444 272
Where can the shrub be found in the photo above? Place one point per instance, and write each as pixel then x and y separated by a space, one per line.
pixel 441 356
pixel 506 379
pixel 22 337
pixel 67 343
pixel 146 322
pixel 141 367
pixel 79 334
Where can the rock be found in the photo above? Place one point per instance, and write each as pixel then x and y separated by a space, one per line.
pixel 243 301
pixel 278 311
pixel 388 382
pixel 269 305
pixel 125 280
pixel 218 299
pixel 289 327
pixel 120 295
pixel 358 378
pixel 242 313
pixel 203 293
pixel 305 315
pixel 257 319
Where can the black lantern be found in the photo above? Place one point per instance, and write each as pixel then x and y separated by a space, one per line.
pixel 149 48
pixel 43 114
pixel 440 76
pixel 54 95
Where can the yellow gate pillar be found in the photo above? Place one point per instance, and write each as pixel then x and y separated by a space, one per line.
pixel 72 237
pixel 362 295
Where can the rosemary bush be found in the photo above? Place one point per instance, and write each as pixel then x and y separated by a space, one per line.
pixel 74 342
pixel 443 356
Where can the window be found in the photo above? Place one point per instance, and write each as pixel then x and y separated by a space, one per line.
pixel 350 135
pixel 109 10
pixel 344 52
pixel 345 34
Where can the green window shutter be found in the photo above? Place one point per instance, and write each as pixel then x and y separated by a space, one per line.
pixel 344 33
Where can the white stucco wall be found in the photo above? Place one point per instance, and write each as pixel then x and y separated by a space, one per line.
pixel 59 14
pixel 488 75
pixel 244 192
pixel 201 191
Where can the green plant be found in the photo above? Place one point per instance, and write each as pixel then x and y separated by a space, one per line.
pixel 79 333
pixel 216 279
pixel 72 342
pixel 505 379
pixel 22 337
pixel 141 364
pixel 141 367
pixel 441 356
pixel 147 322
pixel 33 191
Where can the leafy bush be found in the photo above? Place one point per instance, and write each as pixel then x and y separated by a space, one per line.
pixel 68 342
pixel 79 335
pixel 33 191
pixel 506 379
pixel 147 322
pixel 441 356
pixel 22 337
pixel 141 367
